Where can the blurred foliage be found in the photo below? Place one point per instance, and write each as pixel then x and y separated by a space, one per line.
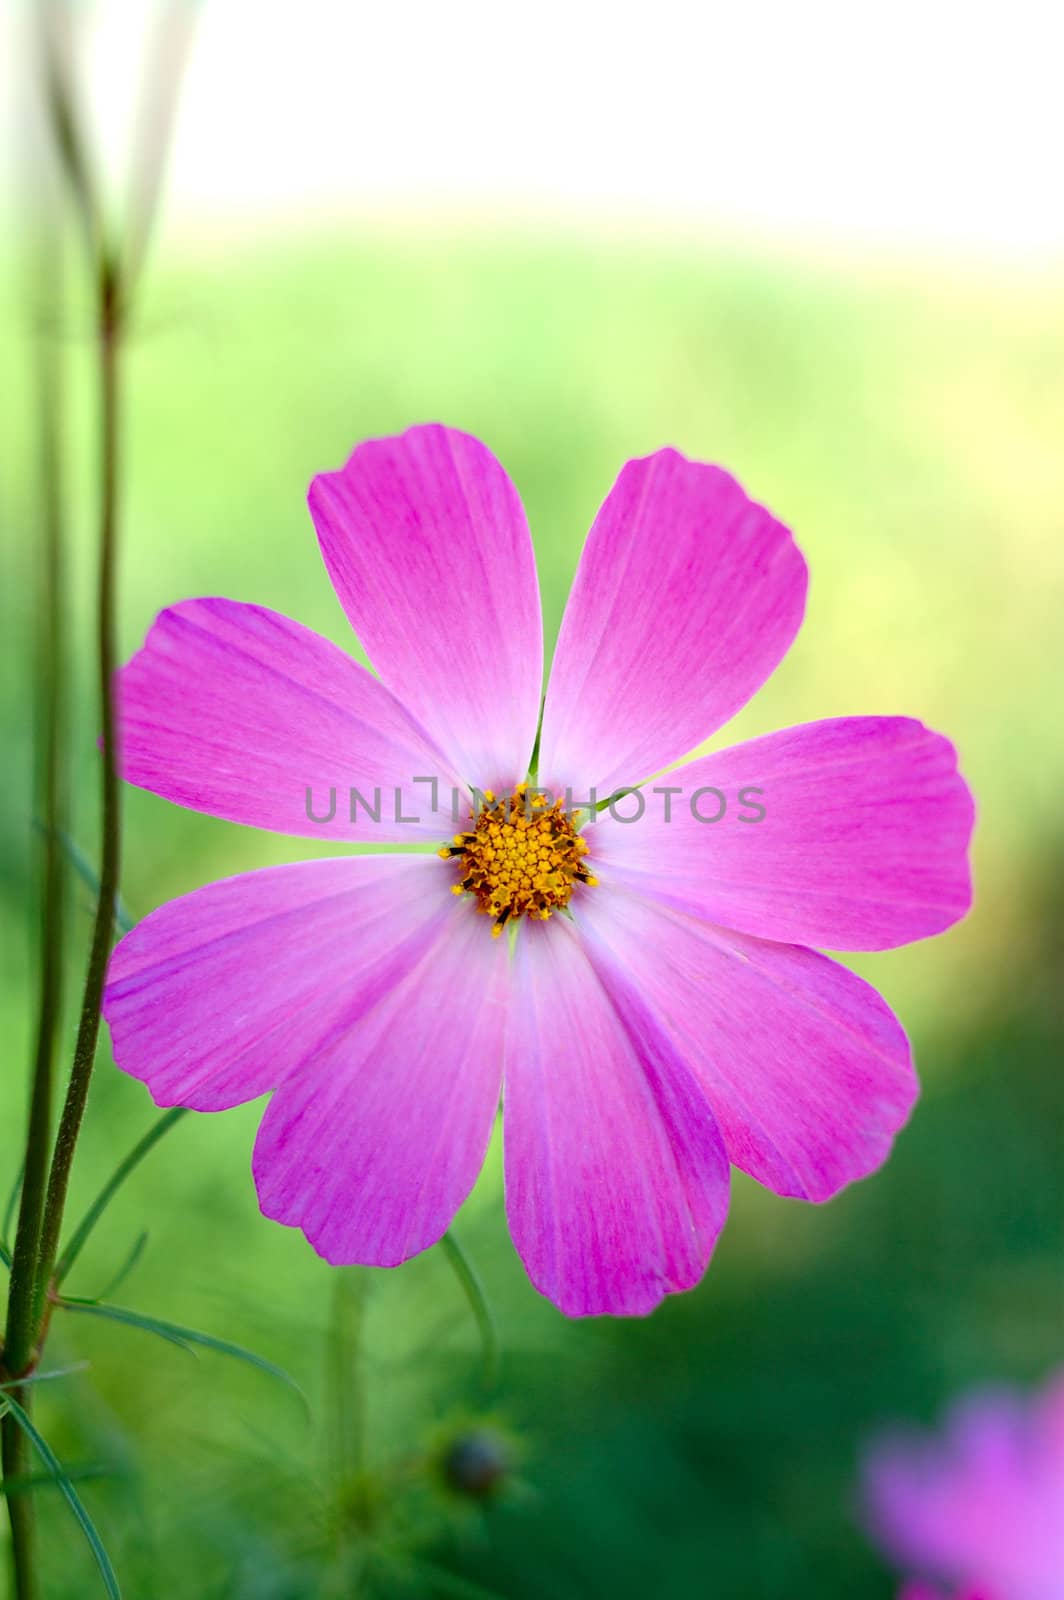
pixel 909 423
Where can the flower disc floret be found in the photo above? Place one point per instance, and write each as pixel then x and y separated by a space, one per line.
pixel 520 857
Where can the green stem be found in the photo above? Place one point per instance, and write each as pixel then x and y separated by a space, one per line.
pixel 14 1454
pixel 346 1388
pixel 19 1334
pixel 67 135
pixel 109 342
pixel 20 1330
pixel 345 1398
pixel 473 1289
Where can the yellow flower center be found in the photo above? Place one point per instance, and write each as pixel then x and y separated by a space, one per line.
pixel 520 857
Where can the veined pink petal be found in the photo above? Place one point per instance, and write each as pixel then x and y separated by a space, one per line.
pixel 428 548
pixel 238 711
pixel 808 1072
pixel 863 844
pixel 687 598
pixel 215 998
pixel 371 1146
pixel 616 1177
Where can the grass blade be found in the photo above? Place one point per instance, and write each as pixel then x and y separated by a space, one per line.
pixel 76 1242
pixel 133 1319
pixel 87 873
pixel 70 1495
pixel 27 1482
pixel 45 1377
pixel 188 1338
pixel 126 1268
pixel 9 1209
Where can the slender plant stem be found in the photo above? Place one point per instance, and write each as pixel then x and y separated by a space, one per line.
pixel 45 1185
pixel 71 147
pixel 18 1341
pixel 345 1395
pixel 19 1336
pixel 109 331
pixel 346 1382
pixel 473 1289
pixel 15 1455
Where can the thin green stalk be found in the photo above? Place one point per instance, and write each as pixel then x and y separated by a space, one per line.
pixel 45 1185
pixel 15 1459
pixel 345 1376
pixel 352 1498
pixel 109 332
pixel 169 44
pixel 473 1289
pixel 19 1337
pixel 71 147
pixel 19 1333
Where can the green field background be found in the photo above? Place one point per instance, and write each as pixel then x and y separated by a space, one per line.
pixel 907 420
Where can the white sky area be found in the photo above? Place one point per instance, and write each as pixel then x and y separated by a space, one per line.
pixel 928 125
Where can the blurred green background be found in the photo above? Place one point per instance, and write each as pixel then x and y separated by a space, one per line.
pixel 908 422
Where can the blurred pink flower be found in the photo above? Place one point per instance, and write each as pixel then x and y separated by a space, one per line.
pixel 660 1014
pixel 927 1591
pixel 978 1506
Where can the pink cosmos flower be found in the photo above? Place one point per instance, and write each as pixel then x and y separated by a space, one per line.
pixel 660 1013
pixel 926 1591
pixel 980 1505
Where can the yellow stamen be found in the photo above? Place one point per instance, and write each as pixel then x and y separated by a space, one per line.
pixel 519 858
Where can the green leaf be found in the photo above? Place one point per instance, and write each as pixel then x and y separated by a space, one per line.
pixel 186 1338
pixel 45 1377
pixel 79 1237
pixel 126 1268
pixel 134 1319
pixel 5 1256
pixel 9 1210
pixel 86 872
pixel 473 1290
pixel 27 1482
pixel 66 1488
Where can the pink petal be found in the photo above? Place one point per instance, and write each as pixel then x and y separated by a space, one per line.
pixel 215 998
pixel 863 844
pixel 237 711
pixel 428 548
pixel 808 1073
pixel 687 598
pixel 616 1178
pixel 371 1146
